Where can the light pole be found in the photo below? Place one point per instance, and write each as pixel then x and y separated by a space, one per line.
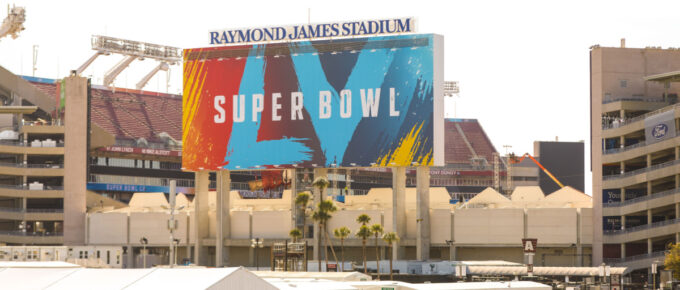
pixel 144 242
pixel 172 223
pixel 256 243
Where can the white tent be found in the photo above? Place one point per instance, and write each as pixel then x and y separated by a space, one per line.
pixel 156 278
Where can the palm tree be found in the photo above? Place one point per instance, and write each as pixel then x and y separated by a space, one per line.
pixel 322 215
pixel 295 234
pixel 321 183
pixel 364 233
pixel 342 233
pixel 377 230
pixel 363 219
pixel 391 238
pixel 302 199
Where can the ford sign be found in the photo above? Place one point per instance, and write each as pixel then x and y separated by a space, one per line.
pixel 659 131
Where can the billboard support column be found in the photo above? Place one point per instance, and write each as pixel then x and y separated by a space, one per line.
pixel 201 219
pixel 318 172
pixel 223 203
pixel 399 208
pixel 423 213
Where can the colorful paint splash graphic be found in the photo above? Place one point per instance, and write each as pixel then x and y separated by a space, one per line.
pixel 309 104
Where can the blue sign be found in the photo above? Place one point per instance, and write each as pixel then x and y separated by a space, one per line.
pixel 659 131
pixel 136 188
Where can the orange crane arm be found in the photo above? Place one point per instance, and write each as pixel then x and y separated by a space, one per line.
pixel 540 166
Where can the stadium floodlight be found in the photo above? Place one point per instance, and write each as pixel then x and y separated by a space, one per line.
pixel 451 88
pixel 132 50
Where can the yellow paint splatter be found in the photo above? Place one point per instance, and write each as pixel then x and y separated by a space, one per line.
pixel 407 151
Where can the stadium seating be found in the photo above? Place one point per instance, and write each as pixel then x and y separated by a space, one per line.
pixel 457 152
pixel 131 114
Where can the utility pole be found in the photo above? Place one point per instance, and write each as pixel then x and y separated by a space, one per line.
pixel 172 223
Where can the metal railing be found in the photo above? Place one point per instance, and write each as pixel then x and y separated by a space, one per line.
pixel 22 144
pixel 25 165
pixel 31 210
pixel 636 145
pixel 22 187
pixel 642 227
pixel 635 258
pixel 636 119
pixel 634 99
pixel 641 170
pixel 642 198
pixel 31 234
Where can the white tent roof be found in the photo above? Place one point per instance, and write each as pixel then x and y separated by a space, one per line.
pixel 29 264
pixel 104 280
pixel 489 196
pixel 540 271
pixel 569 196
pixel 156 278
pixel 527 194
pixel 148 200
pixel 32 278
pixel 334 276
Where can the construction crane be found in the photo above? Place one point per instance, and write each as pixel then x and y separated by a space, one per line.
pixel 14 23
pixel 513 160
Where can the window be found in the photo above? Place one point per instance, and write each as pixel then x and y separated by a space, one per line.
pixel 623 83
pixel 98 255
pixel 108 257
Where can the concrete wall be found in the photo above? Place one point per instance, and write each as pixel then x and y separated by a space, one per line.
pixel 552 225
pixel 489 226
pixel 272 224
pixel 440 225
pixel 586 226
pixel 240 224
pixel 108 229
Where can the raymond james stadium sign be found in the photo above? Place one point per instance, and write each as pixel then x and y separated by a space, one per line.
pixel 313 31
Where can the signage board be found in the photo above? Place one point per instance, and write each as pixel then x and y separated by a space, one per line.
pixel 529 245
pixel 358 102
pixel 313 31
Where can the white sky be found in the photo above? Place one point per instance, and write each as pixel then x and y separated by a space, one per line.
pixel 523 66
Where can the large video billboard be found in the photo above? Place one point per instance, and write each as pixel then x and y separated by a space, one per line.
pixel 348 103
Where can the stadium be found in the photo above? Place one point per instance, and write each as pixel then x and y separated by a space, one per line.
pixel 95 168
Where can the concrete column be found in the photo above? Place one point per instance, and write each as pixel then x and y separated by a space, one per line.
pixel 130 256
pixel 623 222
pixel 623 194
pixel 649 216
pixel 453 248
pixel 318 197
pixel 423 213
pixel 622 141
pixel 649 160
pixel 623 250
pixel 222 211
pixel 649 246
pixel 677 238
pixel 201 220
pixel 649 188
pixel 677 181
pixel 622 167
pixel 677 152
pixel 292 174
pixel 579 234
pixel 76 138
pixel 677 210
pixel 399 209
